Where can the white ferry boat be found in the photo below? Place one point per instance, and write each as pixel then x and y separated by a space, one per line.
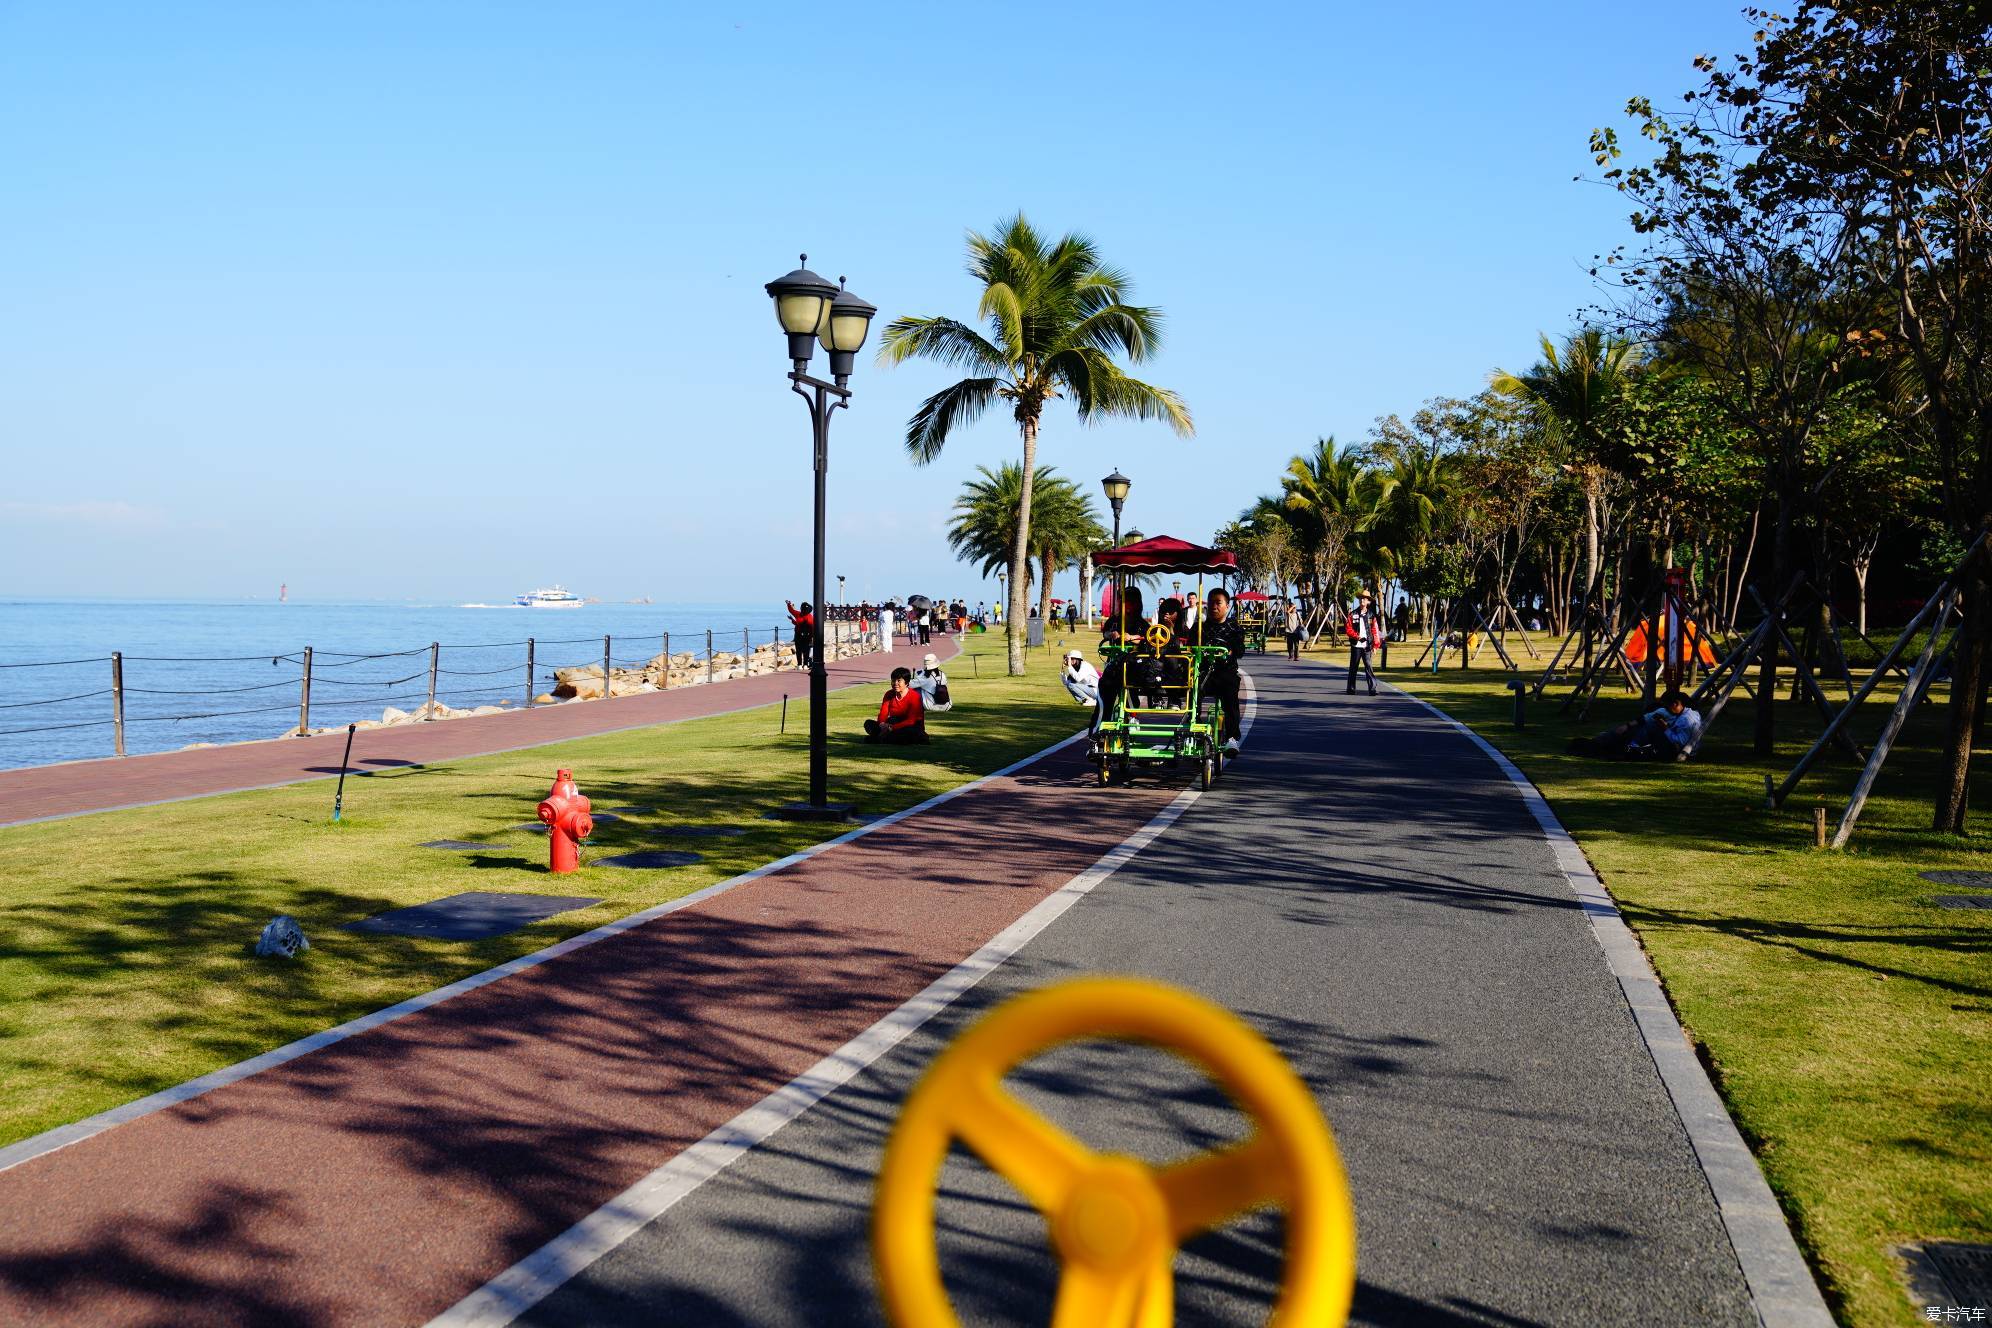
pixel 556 598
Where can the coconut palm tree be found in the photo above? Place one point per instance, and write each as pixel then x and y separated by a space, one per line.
pixel 1573 391
pixel 984 527
pixel 1057 316
pixel 1332 497
pixel 1064 528
pixel 985 524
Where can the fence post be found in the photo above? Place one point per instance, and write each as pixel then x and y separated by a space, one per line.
pixel 435 654
pixel 117 699
pixel 708 654
pixel 746 651
pixel 304 697
pixel 529 673
pixel 667 663
pixel 605 668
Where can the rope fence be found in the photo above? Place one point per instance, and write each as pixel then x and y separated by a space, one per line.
pixel 353 686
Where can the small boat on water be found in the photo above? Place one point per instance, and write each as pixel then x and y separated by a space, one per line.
pixel 555 598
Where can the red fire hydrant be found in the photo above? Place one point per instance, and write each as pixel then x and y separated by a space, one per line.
pixel 565 814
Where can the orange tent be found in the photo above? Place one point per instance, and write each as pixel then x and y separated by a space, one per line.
pixel 1699 650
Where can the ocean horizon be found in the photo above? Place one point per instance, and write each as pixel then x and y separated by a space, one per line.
pixel 201 670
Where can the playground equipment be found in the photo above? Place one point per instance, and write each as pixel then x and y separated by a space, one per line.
pixel 1159 716
pixel 1116 1222
pixel 565 813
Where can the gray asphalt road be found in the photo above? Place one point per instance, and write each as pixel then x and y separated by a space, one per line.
pixel 1368 890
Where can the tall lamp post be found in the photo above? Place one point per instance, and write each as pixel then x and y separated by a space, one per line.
pixel 1003 593
pixel 1115 486
pixel 811 310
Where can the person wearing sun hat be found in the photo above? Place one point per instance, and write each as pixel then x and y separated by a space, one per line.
pixel 1083 681
pixel 932 684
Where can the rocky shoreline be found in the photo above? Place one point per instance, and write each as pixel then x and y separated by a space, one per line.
pixel 584 683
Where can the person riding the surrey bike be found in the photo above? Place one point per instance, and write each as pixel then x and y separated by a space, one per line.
pixel 1125 626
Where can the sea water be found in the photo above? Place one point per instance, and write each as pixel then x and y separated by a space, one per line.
pixel 227 671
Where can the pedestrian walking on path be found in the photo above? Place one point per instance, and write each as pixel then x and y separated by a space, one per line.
pixel 1293 631
pixel 1365 633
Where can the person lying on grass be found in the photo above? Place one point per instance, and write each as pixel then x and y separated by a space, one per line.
pixel 1670 733
pixel 901 718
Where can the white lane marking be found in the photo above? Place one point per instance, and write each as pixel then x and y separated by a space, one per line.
pixel 1781 1286
pixel 545 1270
pixel 76 1132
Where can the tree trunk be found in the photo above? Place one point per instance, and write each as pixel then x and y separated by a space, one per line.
pixel 1968 680
pixel 1764 739
pixel 1086 587
pixel 1861 562
pixel 1743 570
pixel 1590 532
pixel 1048 564
pixel 1014 612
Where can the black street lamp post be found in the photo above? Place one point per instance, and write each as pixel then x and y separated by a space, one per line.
pixel 1115 486
pixel 810 310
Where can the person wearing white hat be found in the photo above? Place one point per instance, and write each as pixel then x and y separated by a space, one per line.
pixel 932 684
pixel 1083 681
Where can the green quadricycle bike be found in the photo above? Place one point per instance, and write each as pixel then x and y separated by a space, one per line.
pixel 1161 718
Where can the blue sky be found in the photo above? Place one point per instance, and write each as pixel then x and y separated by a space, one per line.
pixel 450 300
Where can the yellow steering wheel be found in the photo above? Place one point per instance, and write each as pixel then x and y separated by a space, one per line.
pixel 1116 1221
pixel 1159 635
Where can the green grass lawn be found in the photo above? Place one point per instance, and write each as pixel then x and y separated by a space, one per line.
pixel 126 938
pixel 1847 1022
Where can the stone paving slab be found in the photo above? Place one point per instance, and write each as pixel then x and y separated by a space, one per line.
pixel 474 915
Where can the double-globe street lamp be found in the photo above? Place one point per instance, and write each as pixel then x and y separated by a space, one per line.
pixel 811 310
pixel 1115 486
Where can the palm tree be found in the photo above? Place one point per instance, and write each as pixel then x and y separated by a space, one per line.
pixel 984 528
pixel 1057 317
pixel 1064 528
pixel 1573 391
pixel 985 525
pixel 1332 497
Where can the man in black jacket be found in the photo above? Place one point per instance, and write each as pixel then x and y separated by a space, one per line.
pixel 1220 680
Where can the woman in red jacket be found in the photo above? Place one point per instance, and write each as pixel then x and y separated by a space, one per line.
pixel 902 717
pixel 804 622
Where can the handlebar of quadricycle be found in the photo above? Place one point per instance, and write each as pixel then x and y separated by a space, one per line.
pixel 1115 1222
pixel 1115 649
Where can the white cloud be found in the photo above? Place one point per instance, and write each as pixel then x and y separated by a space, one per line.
pixel 110 514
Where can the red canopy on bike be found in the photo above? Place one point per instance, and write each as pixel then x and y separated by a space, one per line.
pixel 1249 597
pixel 1164 554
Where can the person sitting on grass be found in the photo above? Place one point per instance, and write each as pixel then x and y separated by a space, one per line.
pixel 1670 733
pixel 931 681
pixel 902 718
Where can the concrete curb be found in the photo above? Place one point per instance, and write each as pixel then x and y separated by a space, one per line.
pixel 1782 1290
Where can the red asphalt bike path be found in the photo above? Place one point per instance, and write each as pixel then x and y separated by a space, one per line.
pixel 381 1179
pixel 39 793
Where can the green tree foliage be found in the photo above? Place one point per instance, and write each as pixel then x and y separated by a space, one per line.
pixel 983 531
pixel 1060 321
